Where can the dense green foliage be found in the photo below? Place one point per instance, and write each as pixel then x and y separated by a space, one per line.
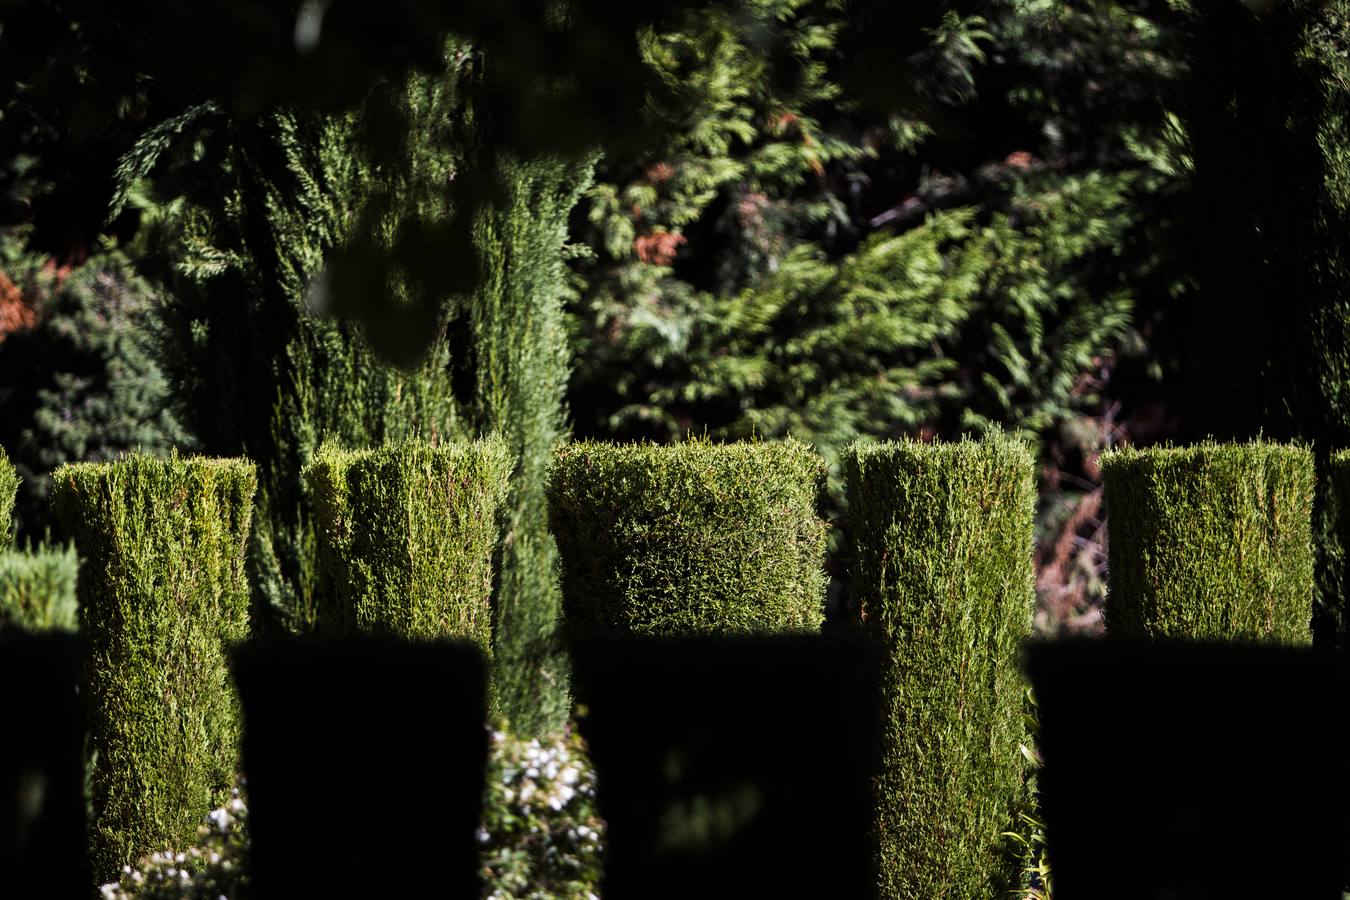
pixel 943 573
pixel 37 589
pixel 782 267
pixel 158 612
pixel 521 357
pixel 1212 541
pixel 406 537
pixel 9 488
pixel 80 382
pixel 690 538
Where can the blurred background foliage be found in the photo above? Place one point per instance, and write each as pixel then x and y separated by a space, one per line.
pixel 248 227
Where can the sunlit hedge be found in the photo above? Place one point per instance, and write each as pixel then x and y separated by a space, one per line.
pixel 689 538
pixel 162 594
pixel 1212 541
pixel 943 575
pixel 406 537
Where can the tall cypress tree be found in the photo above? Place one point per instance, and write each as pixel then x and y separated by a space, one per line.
pixel 522 356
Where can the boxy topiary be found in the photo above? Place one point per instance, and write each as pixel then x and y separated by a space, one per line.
pixel 944 579
pixel 9 489
pixel 689 538
pixel 1211 541
pixel 406 538
pixel 162 593
pixel 37 589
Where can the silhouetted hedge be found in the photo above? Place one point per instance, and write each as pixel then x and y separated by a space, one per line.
pixel 162 594
pixel 37 589
pixel 406 538
pixel 689 538
pixel 1212 541
pixel 944 579
pixel 365 758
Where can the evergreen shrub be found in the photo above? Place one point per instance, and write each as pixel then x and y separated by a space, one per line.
pixel 689 538
pixel 162 594
pixel 1211 541
pixel 37 589
pixel 406 537
pixel 9 489
pixel 943 574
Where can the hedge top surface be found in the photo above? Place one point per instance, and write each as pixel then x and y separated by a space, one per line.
pixel 91 496
pixel 413 454
pixel 689 538
pixel 995 448
pixel 1204 456
pixel 9 488
pixel 1212 540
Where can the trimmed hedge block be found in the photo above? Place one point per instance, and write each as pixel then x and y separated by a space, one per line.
pixel 9 489
pixel 406 537
pixel 162 593
pixel 37 589
pixel 943 572
pixel 689 538
pixel 1212 541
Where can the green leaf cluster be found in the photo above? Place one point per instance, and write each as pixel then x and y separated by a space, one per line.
pixel 37 589
pixel 944 577
pixel 1211 541
pixel 406 537
pixel 689 538
pixel 162 595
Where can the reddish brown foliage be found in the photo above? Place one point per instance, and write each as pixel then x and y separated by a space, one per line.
pixel 659 248
pixel 15 314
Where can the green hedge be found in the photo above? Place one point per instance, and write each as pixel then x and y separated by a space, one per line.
pixel 943 574
pixel 406 537
pixel 162 594
pixel 1212 541
pixel 9 489
pixel 690 538
pixel 37 589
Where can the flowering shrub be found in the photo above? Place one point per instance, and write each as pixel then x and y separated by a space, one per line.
pixel 215 869
pixel 540 836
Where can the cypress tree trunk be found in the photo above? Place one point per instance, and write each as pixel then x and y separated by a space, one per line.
pixel 522 364
pixel 1268 117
